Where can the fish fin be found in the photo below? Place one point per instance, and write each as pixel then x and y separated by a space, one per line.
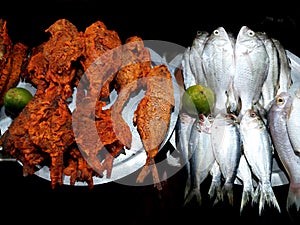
pixel 293 198
pixel 215 189
pixel 246 198
pixel 195 192
pixel 228 190
pixel 187 188
pixel 150 166
pixel 267 195
pixel 256 194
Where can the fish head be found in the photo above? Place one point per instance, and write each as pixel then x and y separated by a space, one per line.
pixel 251 119
pixel 219 38
pixel 248 39
pixel 204 123
pixel 282 103
pixel 231 118
pixel 200 38
pixel 262 35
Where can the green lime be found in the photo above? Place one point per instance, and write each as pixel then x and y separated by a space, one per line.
pixel 198 99
pixel 16 99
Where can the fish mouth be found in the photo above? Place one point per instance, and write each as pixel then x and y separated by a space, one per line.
pixel 232 117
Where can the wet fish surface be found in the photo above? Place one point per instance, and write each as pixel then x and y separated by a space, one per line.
pixel 293 122
pixel 251 68
pixel 202 158
pixel 258 150
pixel 226 144
pixel 218 64
pixel 277 122
pixel 183 129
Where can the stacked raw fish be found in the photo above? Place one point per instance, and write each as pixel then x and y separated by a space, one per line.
pixel 249 74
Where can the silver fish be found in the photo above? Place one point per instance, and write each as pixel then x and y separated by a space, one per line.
pixel 188 77
pixel 258 150
pixel 251 68
pixel 202 158
pixel 231 105
pixel 195 59
pixel 293 122
pixel 271 83
pixel 285 77
pixel 183 133
pixel 226 144
pixel 244 173
pixel 215 188
pixel 277 122
pixel 218 64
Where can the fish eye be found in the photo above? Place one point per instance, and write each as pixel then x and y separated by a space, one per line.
pixel 251 33
pixel 201 118
pixel 253 114
pixel 216 32
pixel 280 100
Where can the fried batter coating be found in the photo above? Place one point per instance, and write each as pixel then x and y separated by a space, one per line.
pixel 78 168
pixel 5 42
pixel 12 57
pixel 83 143
pixel 100 40
pixel 42 132
pixel 99 137
pixel 136 63
pixel 152 117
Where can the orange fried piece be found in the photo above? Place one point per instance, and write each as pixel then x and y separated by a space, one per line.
pixel 78 169
pixel 12 57
pixel 136 63
pixel 42 132
pixel 99 135
pixel 99 67
pixel 152 117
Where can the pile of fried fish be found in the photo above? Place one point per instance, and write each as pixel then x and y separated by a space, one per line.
pixel 82 144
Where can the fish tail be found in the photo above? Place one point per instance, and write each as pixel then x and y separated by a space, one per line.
pixel 256 195
pixel 187 188
pixel 195 192
pixel 215 189
pixel 293 198
pixel 228 190
pixel 150 167
pixel 267 195
pixel 246 197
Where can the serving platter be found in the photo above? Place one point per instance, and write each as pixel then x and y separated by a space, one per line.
pixel 133 158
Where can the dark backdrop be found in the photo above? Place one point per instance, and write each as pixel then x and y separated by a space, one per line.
pixel 31 199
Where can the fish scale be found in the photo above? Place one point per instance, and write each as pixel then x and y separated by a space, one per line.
pixel 218 64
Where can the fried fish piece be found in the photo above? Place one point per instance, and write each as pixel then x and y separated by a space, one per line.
pixel 152 117
pixel 99 136
pixel 42 133
pixel 12 57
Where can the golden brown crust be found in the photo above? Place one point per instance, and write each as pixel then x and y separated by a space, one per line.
pixel 152 116
pixel 12 57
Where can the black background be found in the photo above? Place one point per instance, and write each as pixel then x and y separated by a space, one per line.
pixel 31 200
